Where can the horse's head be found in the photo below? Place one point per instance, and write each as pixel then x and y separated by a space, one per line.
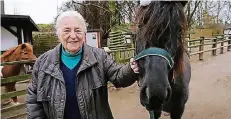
pixel 21 52
pixel 159 49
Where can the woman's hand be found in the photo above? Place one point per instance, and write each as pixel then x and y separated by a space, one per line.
pixel 134 65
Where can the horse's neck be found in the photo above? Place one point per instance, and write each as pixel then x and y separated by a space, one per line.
pixel 11 70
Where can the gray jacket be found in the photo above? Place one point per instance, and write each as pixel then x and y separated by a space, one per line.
pixel 47 93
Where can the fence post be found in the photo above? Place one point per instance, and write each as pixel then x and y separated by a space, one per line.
pixel 214 51
pixel 229 43
pixel 201 48
pixel 187 44
pixel 222 44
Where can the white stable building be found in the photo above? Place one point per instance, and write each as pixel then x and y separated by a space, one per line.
pixel 15 30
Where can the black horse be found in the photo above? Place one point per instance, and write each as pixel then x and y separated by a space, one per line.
pixel 164 65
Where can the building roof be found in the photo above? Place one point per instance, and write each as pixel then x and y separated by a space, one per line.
pixel 22 21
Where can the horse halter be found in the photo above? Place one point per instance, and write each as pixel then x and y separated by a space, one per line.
pixel 154 51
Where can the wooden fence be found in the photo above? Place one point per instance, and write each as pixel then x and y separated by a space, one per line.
pixel 195 47
pixel 14 111
pixel 216 43
pixel 121 46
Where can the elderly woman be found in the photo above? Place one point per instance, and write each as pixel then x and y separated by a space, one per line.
pixel 70 81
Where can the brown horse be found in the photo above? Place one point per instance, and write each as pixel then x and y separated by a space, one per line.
pixel 21 52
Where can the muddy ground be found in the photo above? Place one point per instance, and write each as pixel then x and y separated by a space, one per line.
pixel 210 92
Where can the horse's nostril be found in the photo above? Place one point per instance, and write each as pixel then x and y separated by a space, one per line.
pixel 144 94
pixel 147 93
pixel 168 94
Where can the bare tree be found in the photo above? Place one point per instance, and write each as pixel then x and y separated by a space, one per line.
pixel 191 8
pixel 103 15
pixel 227 13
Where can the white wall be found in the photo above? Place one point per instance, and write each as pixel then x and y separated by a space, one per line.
pixel 8 40
pixel 227 31
pixel 92 39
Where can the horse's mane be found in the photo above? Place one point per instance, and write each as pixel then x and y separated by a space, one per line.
pixel 14 52
pixel 162 24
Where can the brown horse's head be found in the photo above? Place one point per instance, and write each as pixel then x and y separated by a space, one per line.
pixel 21 52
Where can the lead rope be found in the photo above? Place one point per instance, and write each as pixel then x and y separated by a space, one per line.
pixel 152 116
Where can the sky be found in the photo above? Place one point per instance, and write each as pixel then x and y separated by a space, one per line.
pixel 41 11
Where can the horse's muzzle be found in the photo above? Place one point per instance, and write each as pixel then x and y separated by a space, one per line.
pixel 152 101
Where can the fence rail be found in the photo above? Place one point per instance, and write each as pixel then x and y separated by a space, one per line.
pixel 13 94
pixel 213 42
pixel 12 79
pixel 18 62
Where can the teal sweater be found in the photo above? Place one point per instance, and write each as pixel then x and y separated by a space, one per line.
pixel 71 60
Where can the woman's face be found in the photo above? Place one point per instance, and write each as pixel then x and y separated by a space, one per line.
pixel 71 33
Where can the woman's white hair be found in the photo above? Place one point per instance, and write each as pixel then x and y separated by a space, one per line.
pixel 70 14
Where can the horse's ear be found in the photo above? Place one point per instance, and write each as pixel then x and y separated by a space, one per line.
pixel 23 46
